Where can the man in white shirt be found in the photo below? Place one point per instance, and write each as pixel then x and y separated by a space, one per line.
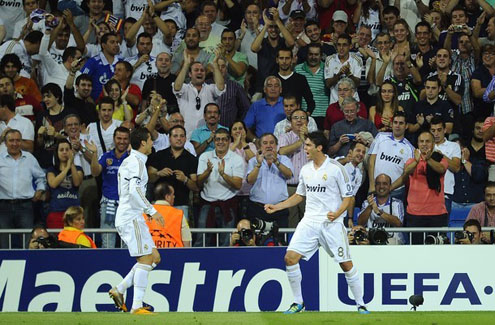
pixel 220 174
pixel 325 184
pixel 452 152
pixel 10 14
pixel 130 224
pixel 291 105
pixel 342 64
pixel 24 49
pixel 101 132
pixel 389 153
pixel 10 120
pixel 193 96
pixel 53 71
pixel 143 63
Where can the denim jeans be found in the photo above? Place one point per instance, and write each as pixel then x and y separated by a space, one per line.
pixel 224 239
pixel 107 221
pixel 15 214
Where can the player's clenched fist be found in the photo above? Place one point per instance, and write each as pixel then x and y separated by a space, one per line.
pixel 332 216
pixel 270 208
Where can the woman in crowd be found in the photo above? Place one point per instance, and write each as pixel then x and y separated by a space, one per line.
pixel 386 106
pixel 64 179
pixel 73 231
pixel 123 111
pixel 246 150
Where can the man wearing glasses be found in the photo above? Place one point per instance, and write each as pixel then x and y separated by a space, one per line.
pixel 291 144
pixel 291 104
pixel 202 137
pixel 193 96
pixel 220 174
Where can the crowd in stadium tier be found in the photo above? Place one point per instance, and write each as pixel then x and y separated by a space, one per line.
pixel 403 90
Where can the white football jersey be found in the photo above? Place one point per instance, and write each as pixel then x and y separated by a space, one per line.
pixel 324 189
pixel 450 150
pixel 391 154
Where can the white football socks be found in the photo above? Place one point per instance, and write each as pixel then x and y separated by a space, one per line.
pixel 354 282
pixel 295 278
pixel 140 283
pixel 128 281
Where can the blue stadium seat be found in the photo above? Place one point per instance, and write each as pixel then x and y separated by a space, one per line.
pixel 457 217
pixel 355 216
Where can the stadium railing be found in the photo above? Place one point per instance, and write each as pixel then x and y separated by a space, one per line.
pixel 94 232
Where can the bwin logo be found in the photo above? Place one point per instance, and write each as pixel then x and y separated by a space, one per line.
pixel 138 8
pixel 395 159
pixel 10 4
pixel 318 188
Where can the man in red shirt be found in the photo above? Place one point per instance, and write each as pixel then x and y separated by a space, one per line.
pixel 345 88
pixel 426 202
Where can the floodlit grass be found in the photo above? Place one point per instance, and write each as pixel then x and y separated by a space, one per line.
pixel 401 318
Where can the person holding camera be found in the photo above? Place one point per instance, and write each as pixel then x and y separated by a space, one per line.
pixel 380 210
pixel 358 235
pixel 471 234
pixel 243 235
pixel 39 238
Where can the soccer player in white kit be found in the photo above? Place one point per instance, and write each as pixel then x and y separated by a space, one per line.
pixel 130 224
pixel 326 185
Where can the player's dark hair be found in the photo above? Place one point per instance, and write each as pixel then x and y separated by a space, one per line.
pixel 161 190
pixel 283 49
pixel 207 3
pixel 354 144
pixel 314 46
pixel 319 139
pixel 311 23
pixel 489 184
pixel 346 37
pixel 137 136
pixel 131 20
pixel 292 96
pixel 54 89
pixel 399 114
pixel 128 67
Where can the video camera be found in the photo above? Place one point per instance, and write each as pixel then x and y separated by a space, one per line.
pixel 52 242
pixel 439 239
pixel 376 236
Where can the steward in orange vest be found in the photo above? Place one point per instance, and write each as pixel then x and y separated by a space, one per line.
pixel 75 236
pixel 170 235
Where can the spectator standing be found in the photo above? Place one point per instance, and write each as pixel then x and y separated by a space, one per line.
pixel 220 174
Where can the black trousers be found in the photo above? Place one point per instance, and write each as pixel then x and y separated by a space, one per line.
pixel 434 221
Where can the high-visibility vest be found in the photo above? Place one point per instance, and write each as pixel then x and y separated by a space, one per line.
pixel 170 235
pixel 71 236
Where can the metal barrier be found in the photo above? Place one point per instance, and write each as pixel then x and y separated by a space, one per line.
pixel 217 231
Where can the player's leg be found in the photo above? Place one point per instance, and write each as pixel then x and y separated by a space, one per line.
pixel 303 244
pixel 144 265
pixel 295 278
pixel 355 284
pixel 334 241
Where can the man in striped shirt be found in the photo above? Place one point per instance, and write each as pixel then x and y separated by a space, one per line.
pixel 489 138
pixel 313 69
pixel 291 144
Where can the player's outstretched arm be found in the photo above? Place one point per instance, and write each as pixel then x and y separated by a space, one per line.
pixel 158 218
pixel 294 200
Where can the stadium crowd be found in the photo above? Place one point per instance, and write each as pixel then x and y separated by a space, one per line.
pixel 403 90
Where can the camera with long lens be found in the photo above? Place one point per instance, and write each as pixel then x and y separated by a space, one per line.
pixel 246 235
pixel 378 236
pixel 266 232
pixel 439 239
pixel 459 235
pixel 47 242
pixel 360 236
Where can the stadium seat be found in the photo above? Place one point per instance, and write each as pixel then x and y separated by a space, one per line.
pixel 457 217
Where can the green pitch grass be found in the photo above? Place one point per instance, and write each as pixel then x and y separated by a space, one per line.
pixel 381 318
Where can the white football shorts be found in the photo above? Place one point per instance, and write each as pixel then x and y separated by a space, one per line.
pixel 332 236
pixel 136 235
